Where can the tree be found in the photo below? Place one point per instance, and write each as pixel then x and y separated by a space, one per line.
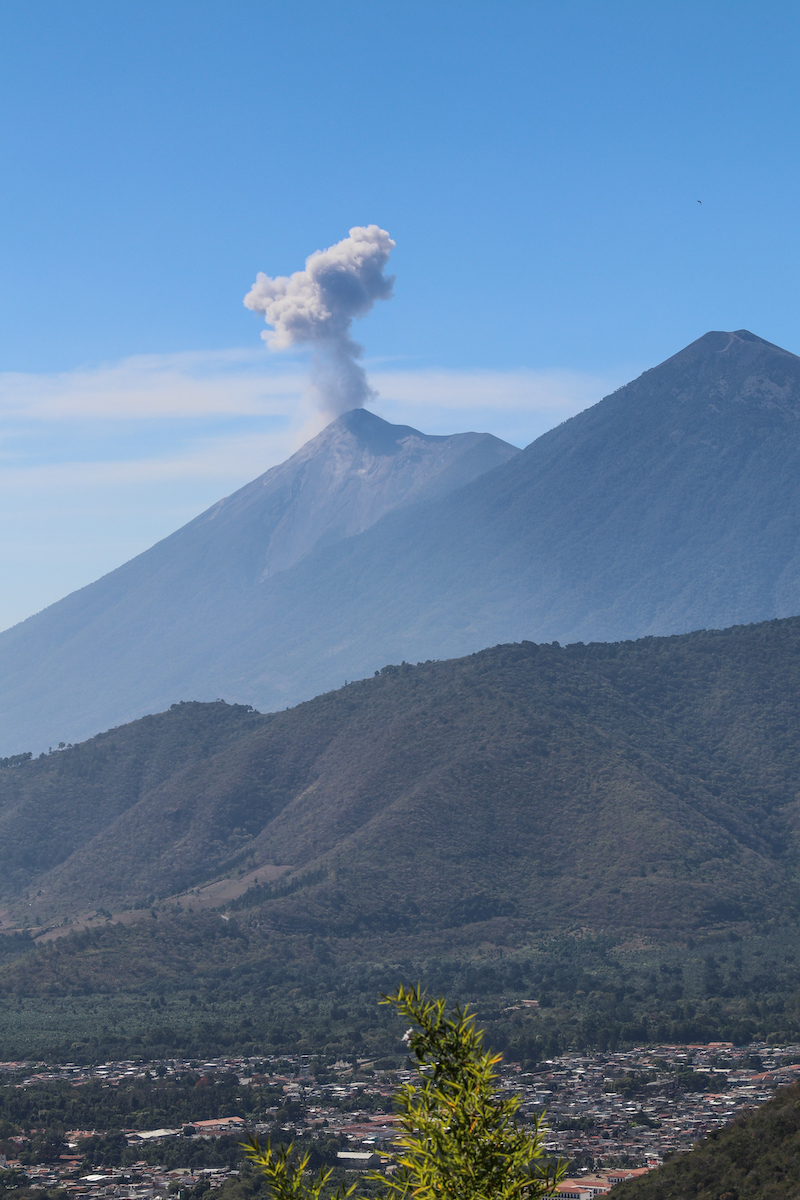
pixel 460 1140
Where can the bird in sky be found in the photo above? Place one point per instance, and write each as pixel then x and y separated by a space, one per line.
pixel 699 201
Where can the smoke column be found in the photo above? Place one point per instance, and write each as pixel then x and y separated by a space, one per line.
pixel 316 307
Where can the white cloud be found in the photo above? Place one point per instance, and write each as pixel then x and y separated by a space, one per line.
pixel 99 463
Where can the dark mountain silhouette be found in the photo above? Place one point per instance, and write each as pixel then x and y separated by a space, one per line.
pixel 671 505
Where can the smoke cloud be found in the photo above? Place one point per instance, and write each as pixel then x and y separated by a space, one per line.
pixel 316 307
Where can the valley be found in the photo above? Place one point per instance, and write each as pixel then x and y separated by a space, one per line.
pixel 617 1114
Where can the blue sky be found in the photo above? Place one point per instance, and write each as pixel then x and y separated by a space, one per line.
pixel 538 165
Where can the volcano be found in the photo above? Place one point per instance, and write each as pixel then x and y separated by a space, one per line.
pixel 671 505
pixel 124 644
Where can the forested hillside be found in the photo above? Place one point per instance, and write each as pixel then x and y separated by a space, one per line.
pixel 646 787
pixel 548 819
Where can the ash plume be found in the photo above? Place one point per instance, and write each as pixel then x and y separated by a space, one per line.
pixel 316 307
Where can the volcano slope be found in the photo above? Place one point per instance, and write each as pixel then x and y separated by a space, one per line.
pixel 173 621
pixel 673 504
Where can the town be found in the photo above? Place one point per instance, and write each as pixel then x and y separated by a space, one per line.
pixel 610 1116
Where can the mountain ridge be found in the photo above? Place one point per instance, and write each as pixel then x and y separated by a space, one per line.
pixel 752 1158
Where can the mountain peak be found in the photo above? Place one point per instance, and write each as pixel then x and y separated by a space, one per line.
pixel 739 345
pixel 725 378
pixel 211 577
pixel 372 434
pixel 357 469
pixel 368 432
pixel 720 340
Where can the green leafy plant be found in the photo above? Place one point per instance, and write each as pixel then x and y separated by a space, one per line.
pixel 460 1139
pixel 285 1175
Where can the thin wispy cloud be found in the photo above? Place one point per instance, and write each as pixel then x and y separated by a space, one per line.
pixel 156 386
pixel 240 383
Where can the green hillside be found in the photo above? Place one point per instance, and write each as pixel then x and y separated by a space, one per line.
pixel 757 1157
pixel 609 828
pixel 645 787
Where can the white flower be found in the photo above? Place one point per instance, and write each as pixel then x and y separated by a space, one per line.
pixel 407 1036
